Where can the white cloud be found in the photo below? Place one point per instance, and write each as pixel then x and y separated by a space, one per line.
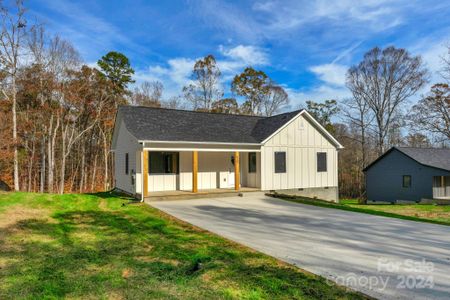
pixel 432 52
pixel 333 74
pixel 319 93
pixel 376 15
pixel 177 71
pixel 248 55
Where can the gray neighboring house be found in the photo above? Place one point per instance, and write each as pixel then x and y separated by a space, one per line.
pixel 409 174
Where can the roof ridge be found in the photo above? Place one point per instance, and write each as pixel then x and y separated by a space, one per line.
pixel 408 147
pixel 288 112
pixel 194 111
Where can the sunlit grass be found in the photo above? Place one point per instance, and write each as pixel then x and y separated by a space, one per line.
pixel 438 214
pixel 107 247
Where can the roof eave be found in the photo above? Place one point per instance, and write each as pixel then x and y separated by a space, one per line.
pixel 194 142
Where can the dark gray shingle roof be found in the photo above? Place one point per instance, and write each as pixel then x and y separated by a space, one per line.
pixel 159 124
pixel 432 157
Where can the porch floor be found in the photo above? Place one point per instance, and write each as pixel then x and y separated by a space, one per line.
pixel 178 195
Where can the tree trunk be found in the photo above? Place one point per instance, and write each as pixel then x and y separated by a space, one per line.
pixel 83 169
pixel 105 158
pixel 14 115
pixel 43 158
pixel 63 162
pixel 30 166
pixel 94 173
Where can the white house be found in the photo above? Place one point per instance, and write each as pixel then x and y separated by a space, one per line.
pixel 158 150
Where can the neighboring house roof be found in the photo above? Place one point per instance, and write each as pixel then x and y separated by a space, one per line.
pixel 432 157
pixel 160 124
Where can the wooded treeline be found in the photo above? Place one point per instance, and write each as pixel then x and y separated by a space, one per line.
pixel 57 114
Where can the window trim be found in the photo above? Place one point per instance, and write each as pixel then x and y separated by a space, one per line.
pixel 275 162
pixel 252 170
pixel 127 164
pixel 403 181
pixel 320 170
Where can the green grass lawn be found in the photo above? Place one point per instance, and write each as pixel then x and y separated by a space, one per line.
pixel 437 214
pixel 107 247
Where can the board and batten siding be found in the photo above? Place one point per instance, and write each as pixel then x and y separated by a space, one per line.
pixel 250 179
pixel 301 140
pixel 126 143
pixel 214 171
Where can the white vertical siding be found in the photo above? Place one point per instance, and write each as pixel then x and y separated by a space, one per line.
pixel 126 143
pixel 250 179
pixel 214 169
pixel 301 141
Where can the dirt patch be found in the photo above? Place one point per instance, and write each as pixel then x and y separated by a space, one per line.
pixel 126 273
pixel 17 214
pixel 103 205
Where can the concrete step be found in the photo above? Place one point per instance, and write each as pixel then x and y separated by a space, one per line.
pixel 200 195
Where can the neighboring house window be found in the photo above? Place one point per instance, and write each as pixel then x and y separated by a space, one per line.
pixel 163 162
pixel 321 161
pixel 280 162
pixel 252 162
pixel 406 181
pixel 126 163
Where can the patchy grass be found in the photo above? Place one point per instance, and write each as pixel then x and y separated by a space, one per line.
pixel 430 212
pixel 437 214
pixel 105 246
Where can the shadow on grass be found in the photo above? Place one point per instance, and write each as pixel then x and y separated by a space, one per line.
pixel 100 254
pixel 113 194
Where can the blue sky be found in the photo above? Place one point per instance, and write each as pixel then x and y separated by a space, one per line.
pixel 306 46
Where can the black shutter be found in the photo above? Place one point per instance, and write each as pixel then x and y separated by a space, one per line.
pixel 321 161
pixel 280 162
pixel 126 163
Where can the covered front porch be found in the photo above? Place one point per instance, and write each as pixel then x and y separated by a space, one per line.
pixel 186 170
pixel 441 187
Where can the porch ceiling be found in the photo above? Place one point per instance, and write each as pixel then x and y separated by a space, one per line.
pixel 201 147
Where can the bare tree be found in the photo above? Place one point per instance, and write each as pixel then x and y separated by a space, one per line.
pixel 174 102
pixel 432 113
pixel 385 80
pixel 12 35
pixel 205 87
pixel 148 94
pixel 445 73
pixel 357 113
pixel 274 100
pixel 418 140
pixel 226 106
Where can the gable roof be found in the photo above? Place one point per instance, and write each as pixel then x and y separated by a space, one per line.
pixel 161 124
pixel 431 157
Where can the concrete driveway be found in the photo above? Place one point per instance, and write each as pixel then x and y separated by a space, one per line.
pixel 383 257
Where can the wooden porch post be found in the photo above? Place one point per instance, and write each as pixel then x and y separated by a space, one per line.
pixel 237 175
pixel 145 163
pixel 194 171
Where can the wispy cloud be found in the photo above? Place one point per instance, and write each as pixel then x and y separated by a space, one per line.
pixel 91 34
pixel 304 45
pixel 176 72
pixel 333 74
